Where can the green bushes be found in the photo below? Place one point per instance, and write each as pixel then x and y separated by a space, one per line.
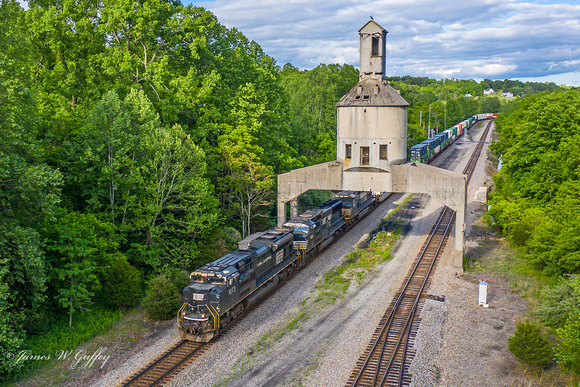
pixel 161 301
pixel 60 336
pixel 536 203
pixel 558 302
pixel 530 345
pixel 568 352
pixel 561 311
pixel 123 285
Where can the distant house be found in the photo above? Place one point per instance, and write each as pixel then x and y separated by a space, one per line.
pixel 468 95
pixel 488 91
pixel 507 94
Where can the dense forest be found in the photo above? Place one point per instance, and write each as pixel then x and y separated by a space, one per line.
pixel 536 205
pixel 141 139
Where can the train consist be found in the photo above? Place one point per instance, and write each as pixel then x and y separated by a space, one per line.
pixel 430 148
pixel 221 290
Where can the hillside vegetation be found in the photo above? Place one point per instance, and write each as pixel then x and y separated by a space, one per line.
pixel 141 140
pixel 536 205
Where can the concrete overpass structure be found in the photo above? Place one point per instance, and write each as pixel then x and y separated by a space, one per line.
pixel 371 147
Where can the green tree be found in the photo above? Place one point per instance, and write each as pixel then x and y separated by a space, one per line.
pixel 10 338
pixel 29 188
pixel 162 299
pixel 68 75
pixel 178 208
pixel 558 302
pixel 247 180
pixel 123 284
pixel 312 97
pixel 530 345
pixel 82 249
pixel 536 201
pixel 146 179
pixel 568 350
pixel 108 148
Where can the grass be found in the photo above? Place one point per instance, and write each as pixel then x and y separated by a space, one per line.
pixel 59 338
pixel 365 258
pixel 100 329
pixel 499 259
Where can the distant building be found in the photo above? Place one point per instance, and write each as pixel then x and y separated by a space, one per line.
pixel 468 95
pixel 507 94
pixel 488 91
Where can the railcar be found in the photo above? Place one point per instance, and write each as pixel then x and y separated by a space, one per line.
pixel 316 228
pixel 355 204
pixel 433 146
pixel 419 153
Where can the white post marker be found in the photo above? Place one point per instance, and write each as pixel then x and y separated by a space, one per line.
pixel 483 294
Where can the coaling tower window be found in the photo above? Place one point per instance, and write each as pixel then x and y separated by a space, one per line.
pixel 347 151
pixel 382 152
pixel 364 155
pixel 375 47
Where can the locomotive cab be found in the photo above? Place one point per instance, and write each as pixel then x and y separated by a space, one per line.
pixel 304 231
pixel 220 291
pixel 201 303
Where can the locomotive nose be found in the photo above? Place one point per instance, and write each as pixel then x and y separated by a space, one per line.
pixel 193 329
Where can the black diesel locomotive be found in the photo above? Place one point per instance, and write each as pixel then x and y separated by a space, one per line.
pixel 221 290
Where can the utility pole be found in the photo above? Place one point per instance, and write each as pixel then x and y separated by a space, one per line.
pixel 429 121
pixel 445 124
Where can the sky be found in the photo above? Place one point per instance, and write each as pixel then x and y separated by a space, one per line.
pixel 475 39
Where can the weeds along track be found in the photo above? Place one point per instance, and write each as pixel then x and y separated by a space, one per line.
pixel 386 360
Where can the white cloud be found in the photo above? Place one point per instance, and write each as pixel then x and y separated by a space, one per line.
pixel 477 39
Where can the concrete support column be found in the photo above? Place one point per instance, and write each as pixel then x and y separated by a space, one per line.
pixel 294 208
pixel 459 235
pixel 281 212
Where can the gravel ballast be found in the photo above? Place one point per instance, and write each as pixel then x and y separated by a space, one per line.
pixel 466 344
pixel 458 342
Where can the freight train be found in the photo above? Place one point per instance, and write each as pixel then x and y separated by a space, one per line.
pixel 221 290
pixel 432 147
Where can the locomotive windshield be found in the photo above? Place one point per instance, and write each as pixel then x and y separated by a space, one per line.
pixel 347 203
pixel 216 280
pixel 301 229
pixel 208 279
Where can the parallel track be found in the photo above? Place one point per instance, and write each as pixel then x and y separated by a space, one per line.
pixel 385 362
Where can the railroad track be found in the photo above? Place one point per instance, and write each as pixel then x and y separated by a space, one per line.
pixel 162 369
pixel 386 359
pixel 170 363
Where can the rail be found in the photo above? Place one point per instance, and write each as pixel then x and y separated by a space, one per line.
pixel 384 362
